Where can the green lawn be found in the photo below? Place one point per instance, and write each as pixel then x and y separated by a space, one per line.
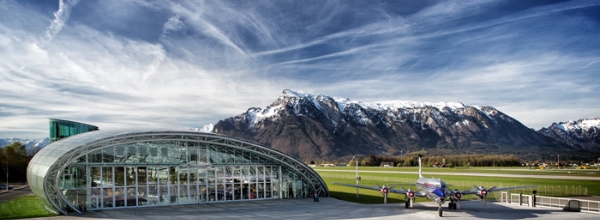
pixel 504 170
pixel 24 207
pixel 544 187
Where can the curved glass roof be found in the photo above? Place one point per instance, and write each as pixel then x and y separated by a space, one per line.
pixel 44 170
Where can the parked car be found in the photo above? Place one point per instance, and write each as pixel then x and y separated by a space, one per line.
pixel 3 186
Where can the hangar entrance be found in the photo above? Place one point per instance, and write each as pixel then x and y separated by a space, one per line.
pixel 135 186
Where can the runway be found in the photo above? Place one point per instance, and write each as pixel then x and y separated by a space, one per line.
pixel 329 208
pixel 536 176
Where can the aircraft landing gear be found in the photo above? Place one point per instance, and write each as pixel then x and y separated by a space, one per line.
pixel 440 211
pixel 452 205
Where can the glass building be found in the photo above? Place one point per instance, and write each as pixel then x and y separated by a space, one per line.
pixel 60 129
pixel 124 169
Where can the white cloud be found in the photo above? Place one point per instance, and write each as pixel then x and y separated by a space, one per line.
pixel 60 17
pixel 212 60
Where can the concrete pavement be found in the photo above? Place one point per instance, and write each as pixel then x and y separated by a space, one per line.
pixel 328 208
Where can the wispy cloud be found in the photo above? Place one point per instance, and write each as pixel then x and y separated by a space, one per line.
pixel 189 63
pixel 60 17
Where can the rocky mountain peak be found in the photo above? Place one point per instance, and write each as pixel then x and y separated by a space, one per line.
pixel 583 133
pixel 320 126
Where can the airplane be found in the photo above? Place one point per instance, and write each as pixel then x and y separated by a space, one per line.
pixel 434 189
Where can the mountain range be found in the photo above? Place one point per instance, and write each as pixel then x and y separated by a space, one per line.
pixel 581 134
pixel 31 145
pixel 320 127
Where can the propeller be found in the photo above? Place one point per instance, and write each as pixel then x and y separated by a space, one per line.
pixel 384 191
pixel 410 195
pixel 482 192
pixel 457 194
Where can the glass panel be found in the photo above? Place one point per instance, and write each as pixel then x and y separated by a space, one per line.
pixel 96 157
pixel 96 199
pixel 119 176
pixel 174 194
pixel 152 174
pixel 202 154
pixel 108 200
pixel 142 195
pixel 163 175
pixel 141 175
pixel 211 185
pixel 130 176
pixel 183 185
pixel 193 155
pixel 107 175
pixel 153 196
pixel 108 155
pixel 143 149
pixel 154 157
pixel 120 197
pixel 164 195
pixel 96 178
pixel 202 197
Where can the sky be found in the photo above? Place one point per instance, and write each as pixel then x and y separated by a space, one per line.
pixel 184 64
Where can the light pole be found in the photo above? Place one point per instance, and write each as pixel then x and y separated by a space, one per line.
pixel 357 177
pixel 6 170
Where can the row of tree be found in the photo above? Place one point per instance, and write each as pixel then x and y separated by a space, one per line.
pixel 14 160
pixel 464 160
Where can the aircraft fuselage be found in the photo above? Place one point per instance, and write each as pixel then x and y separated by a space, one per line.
pixel 436 188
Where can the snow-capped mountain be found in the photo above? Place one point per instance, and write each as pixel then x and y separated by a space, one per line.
pixel 583 133
pixel 32 145
pixel 311 126
pixel 206 128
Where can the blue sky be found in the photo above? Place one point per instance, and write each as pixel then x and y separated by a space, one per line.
pixel 184 64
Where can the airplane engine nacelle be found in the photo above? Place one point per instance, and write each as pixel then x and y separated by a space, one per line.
pixel 457 195
pixel 410 194
pixel 483 192
pixel 384 190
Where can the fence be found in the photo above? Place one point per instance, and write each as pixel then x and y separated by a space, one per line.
pixel 568 204
pixel 542 190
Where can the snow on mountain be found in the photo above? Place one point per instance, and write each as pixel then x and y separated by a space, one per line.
pixel 581 124
pixel 206 128
pixel 350 108
pixel 32 145
pixel 320 126
pixel 582 133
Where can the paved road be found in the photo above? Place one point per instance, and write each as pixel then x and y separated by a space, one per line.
pixel 471 174
pixel 18 191
pixel 328 208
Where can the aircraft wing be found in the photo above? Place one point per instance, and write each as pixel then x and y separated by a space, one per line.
pixel 476 189
pixel 399 191
pixel 359 186
pixel 419 193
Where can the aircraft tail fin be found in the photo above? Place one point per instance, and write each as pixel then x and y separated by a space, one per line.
pixel 420 172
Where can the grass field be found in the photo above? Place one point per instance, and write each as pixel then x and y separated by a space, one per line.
pixel 502 170
pixel 399 176
pixel 24 207
pixel 30 206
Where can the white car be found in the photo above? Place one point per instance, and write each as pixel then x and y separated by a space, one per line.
pixel 3 186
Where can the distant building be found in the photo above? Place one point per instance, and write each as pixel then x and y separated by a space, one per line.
pixel 60 129
pixel 387 164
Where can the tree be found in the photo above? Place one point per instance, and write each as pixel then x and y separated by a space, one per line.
pixel 14 157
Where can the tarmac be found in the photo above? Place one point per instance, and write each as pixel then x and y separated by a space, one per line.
pixel 328 208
